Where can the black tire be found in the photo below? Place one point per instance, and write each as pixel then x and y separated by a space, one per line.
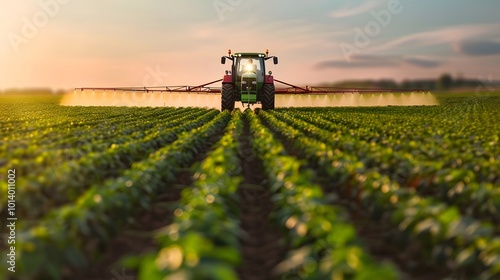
pixel 227 102
pixel 267 98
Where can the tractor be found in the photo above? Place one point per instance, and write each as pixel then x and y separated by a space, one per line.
pixel 247 81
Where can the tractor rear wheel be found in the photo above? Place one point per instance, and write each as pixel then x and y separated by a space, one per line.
pixel 227 97
pixel 267 99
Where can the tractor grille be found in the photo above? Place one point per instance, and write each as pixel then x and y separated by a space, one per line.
pixel 250 82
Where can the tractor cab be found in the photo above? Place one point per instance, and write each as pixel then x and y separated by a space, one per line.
pixel 250 64
pixel 247 81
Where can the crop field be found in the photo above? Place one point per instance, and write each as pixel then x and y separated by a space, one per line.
pixel 294 193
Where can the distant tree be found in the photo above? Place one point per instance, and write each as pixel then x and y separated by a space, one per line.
pixel 406 84
pixel 445 81
pixel 459 81
pixel 387 83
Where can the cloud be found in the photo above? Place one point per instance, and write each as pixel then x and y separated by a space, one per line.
pixel 478 48
pixel 422 63
pixel 353 11
pixel 444 36
pixel 372 61
pixel 357 61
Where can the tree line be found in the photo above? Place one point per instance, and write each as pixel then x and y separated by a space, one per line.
pixel 443 82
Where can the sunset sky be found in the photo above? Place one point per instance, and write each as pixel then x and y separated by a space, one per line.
pixel 75 43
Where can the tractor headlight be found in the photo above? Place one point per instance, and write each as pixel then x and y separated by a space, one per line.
pixel 254 82
pixel 244 82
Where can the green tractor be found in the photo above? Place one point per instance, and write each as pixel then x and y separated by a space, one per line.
pixel 247 81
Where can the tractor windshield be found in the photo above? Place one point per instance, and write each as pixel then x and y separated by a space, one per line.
pixel 250 64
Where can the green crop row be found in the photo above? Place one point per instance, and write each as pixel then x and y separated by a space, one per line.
pixel 71 235
pixel 57 144
pixel 55 187
pixel 325 245
pixel 461 186
pixel 73 143
pixel 470 247
pixel 202 242
pixel 37 122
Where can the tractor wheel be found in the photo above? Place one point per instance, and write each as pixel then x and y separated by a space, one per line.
pixel 227 97
pixel 267 98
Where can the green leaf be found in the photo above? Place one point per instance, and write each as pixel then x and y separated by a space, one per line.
pixel 451 214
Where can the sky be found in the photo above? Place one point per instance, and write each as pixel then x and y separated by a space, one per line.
pixel 64 44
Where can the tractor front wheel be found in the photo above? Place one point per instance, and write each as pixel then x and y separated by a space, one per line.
pixel 227 97
pixel 267 99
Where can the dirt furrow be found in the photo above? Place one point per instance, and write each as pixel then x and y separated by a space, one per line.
pixel 262 243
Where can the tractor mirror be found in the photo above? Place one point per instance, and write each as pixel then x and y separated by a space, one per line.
pixel 275 60
pixel 223 60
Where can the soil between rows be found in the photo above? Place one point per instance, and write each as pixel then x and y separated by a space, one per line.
pixel 262 244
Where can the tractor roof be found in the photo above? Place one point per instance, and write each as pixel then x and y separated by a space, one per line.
pixel 250 54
